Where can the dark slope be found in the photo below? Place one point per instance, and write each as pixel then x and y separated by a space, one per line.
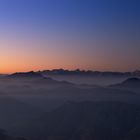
pixel 5 136
pixel 132 84
pixel 30 74
pixel 33 78
pixel 29 83
pixel 14 112
pixel 87 121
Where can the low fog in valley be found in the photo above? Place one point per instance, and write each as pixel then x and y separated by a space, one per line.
pixel 35 106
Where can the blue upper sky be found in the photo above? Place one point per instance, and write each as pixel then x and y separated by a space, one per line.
pixel 89 34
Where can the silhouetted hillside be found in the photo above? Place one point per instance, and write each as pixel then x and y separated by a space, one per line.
pixel 5 136
pixel 88 121
pixel 28 80
pixel 14 112
pixel 129 83
pixel 30 74
pixel 90 73
pixel 134 81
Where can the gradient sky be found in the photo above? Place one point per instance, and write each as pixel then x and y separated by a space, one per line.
pixel 86 34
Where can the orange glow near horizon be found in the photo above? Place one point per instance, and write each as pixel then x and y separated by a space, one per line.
pixel 18 55
pixel 89 35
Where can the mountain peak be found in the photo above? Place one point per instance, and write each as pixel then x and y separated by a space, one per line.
pixel 129 83
pixel 30 74
pixel 132 80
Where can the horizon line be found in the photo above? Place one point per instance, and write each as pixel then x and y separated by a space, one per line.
pixel 70 70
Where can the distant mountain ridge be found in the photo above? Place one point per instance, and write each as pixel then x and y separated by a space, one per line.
pixel 89 72
pixel 75 72
pixel 30 74
pixel 35 78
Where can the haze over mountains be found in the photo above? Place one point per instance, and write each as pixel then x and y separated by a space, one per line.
pixel 90 77
pixel 80 72
pixel 71 99
pixel 35 106
pixel 90 72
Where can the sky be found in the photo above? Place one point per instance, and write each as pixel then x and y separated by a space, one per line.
pixel 86 34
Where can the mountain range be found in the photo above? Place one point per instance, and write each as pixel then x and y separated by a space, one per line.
pixel 30 74
pixel 89 72
pixel 37 107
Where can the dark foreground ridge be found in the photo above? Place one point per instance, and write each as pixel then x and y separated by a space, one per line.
pixel 88 121
pixel 5 136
